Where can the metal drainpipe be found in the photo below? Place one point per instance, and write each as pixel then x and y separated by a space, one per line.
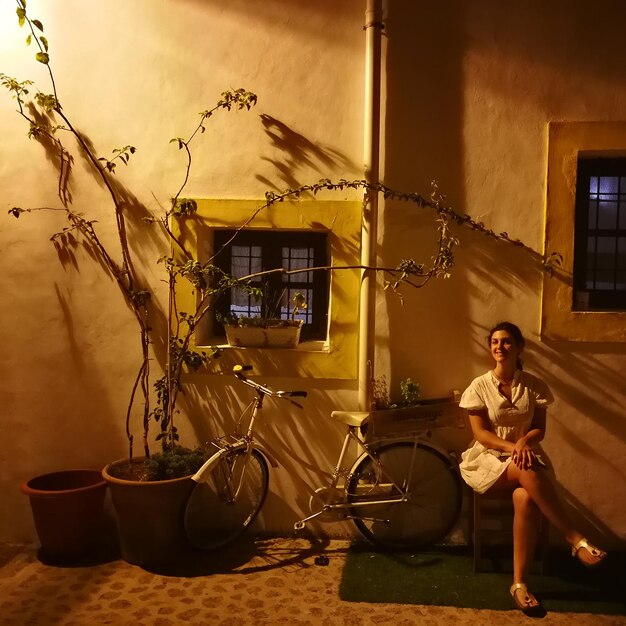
pixel 369 226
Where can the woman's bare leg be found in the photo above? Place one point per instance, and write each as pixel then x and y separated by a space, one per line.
pixel 525 530
pixel 544 495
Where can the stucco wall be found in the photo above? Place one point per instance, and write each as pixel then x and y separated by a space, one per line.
pixel 139 74
pixel 470 89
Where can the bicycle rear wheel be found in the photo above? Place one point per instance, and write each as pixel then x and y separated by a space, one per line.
pixel 434 495
pixel 215 514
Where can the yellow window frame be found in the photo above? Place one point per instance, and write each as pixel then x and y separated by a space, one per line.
pixel 335 358
pixel 566 142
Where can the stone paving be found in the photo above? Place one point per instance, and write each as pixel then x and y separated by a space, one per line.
pixel 263 582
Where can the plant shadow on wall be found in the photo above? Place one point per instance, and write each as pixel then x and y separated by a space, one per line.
pixel 582 363
pixel 155 396
pixel 298 152
pixel 576 372
pixel 300 441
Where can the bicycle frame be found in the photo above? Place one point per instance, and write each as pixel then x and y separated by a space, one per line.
pixel 228 444
pixel 234 452
pixel 368 450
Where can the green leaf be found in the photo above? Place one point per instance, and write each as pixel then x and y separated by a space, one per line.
pixel 21 16
pixel 43 57
pixel 38 24
pixel 44 41
pixel 179 140
pixel 29 39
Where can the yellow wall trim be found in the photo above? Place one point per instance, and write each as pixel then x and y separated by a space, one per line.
pixel 566 141
pixel 337 357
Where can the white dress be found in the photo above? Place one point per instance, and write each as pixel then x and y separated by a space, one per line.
pixel 510 419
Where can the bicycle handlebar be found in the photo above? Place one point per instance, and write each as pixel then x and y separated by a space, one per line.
pixel 266 391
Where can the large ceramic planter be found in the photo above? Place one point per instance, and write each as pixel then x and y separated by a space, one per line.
pixel 149 517
pixel 68 511
pixel 260 337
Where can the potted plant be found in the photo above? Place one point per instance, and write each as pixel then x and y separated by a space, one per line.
pixel 267 331
pixel 149 496
pixel 411 412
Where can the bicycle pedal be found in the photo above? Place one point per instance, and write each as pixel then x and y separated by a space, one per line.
pixel 322 560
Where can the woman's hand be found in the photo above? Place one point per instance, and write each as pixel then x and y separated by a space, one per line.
pixel 523 455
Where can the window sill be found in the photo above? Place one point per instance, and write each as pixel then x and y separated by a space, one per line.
pixel 311 359
pixel 303 346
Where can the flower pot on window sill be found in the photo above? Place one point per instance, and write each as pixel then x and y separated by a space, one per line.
pixel 270 334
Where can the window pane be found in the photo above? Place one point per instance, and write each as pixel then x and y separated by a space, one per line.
pixel 295 259
pixel 591 244
pixel 243 304
pixel 593 214
pixel 605 280
pixel 593 186
pixel 607 215
pixel 608 186
pixel 245 260
pixel 621 254
pixel 605 258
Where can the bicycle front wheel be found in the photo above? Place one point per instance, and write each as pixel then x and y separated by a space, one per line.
pixel 220 510
pixel 429 481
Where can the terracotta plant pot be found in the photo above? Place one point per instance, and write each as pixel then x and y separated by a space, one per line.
pixel 68 511
pixel 149 517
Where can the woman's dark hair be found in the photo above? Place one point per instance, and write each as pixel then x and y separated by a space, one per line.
pixel 515 332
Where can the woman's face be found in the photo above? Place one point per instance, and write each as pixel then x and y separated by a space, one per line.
pixel 504 349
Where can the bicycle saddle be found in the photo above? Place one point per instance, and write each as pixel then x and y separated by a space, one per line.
pixel 351 418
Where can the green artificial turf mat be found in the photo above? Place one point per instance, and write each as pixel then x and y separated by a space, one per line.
pixel 446 578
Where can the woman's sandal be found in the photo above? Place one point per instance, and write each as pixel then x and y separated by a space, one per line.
pixel 584 544
pixel 532 610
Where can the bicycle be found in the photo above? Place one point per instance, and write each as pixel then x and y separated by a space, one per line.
pixel 401 491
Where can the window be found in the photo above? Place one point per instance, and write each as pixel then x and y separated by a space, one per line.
pixel 253 251
pixel 585 225
pixel 600 235
pixel 332 357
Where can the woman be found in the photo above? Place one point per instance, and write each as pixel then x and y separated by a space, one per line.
pixel 507 413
